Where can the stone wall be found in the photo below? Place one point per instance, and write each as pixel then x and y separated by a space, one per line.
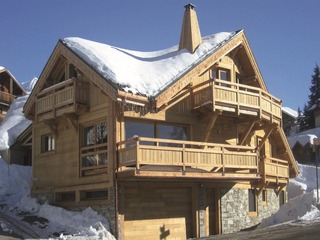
pixel 235 209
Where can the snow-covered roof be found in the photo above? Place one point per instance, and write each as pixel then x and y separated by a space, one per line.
pixel 290 111
pixel 146 73
pixel 304 137
pixel 14 123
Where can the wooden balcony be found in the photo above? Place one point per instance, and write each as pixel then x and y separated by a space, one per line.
pixel 6 98
pixel 239 98
pixel 142 157
pixel 274 170
pixel 68 97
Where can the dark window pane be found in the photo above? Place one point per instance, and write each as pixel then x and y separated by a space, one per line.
pixel 252 200
pixel 139 129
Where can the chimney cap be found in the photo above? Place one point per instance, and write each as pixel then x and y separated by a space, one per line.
pixel 189 6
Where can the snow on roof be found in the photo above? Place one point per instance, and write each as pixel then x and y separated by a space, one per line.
pixel 146 73
pixel 304 137
pixel 29 85
pixel 14 123
pixel 2 68
pixel 290 112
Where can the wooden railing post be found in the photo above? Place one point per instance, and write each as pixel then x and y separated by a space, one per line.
pixel 183 159
pixel 138 155
pixel 222 159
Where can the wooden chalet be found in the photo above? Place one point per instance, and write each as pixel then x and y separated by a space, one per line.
pixel 9 90
pixel 203 153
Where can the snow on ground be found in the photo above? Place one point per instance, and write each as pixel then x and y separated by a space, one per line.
pixel 45 220
pixel 302 200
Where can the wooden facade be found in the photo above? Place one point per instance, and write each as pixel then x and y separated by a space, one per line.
pixel 163 164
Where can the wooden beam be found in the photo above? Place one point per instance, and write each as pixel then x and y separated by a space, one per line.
pixel 247 132
pixel 264 139
pixel 53 127
pixel 211 123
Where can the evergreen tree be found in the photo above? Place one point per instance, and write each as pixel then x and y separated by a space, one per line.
pixel 308 121
pixel 300 119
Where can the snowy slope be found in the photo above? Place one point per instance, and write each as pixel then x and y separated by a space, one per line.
pixel 47 220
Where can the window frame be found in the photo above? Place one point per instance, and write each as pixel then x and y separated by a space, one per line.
pixel 48 143
pixel 264 199
pixel 95 153
pixel 282 198
pixel 252 196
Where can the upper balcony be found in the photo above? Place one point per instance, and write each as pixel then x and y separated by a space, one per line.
pixel 142 157
pixel 68 97
pixel 239 98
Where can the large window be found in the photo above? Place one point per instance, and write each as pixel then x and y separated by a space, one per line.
pixel 47 143
pixel 155 130
pixel 94 156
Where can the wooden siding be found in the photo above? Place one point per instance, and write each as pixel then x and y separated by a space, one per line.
pixel 60 169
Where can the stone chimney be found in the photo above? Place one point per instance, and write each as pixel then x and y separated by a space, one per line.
pixel 190 37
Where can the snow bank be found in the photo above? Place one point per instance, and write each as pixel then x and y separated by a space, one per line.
pixel 15 183
pixel 302 203
pixel 14 123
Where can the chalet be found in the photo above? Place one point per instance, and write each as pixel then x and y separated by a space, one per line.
pixel 9 90
pixel 180 143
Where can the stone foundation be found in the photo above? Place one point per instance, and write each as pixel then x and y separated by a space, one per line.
pixel 235 209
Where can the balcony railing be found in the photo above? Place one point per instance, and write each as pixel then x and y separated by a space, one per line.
pixel 275 168
pixel 227 160
pixel 62 98
pixel 6 98
pixel 216 158
pixel 239 98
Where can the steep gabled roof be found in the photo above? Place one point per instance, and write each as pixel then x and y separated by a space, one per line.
pixel 17 85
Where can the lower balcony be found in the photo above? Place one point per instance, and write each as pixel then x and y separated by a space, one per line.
pixel 143 158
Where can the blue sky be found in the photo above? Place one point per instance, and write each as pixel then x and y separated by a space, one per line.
pixel 284 35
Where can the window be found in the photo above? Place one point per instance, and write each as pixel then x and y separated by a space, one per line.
pixel 281 198
pixel 155 130
pixel 47 143
pixel 94 154
pixel 252 201
pixel 224 74
pixel 65 197
pixel 94 195
pixel 264 197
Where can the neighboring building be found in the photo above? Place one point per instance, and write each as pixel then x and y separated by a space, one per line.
pixel 9 90
pixel 289 121
pixel 185 142
pixel 302 145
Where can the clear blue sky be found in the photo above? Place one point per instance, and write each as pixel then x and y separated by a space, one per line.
pixel 284 35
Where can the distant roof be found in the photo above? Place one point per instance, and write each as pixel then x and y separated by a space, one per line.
pixel 290 112
pixel 146 73
pixel 304 137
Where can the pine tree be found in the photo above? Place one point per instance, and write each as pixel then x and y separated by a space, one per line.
pixel 300 119
pixel 308 121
